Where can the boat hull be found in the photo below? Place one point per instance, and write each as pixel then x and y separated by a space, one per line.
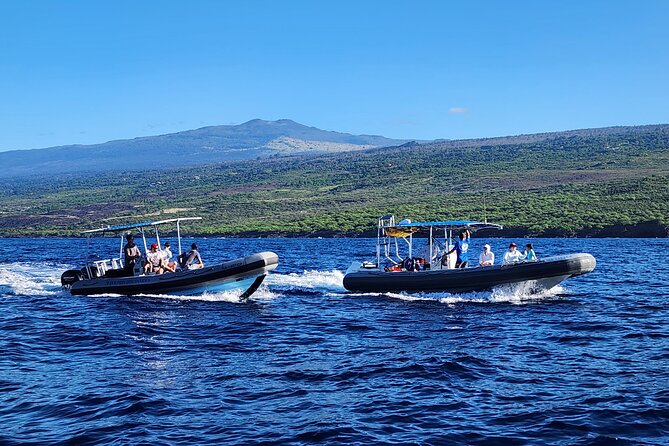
pixel 244 274
pixel 537 276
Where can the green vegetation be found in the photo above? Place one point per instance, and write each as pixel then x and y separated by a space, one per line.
pixel 557 184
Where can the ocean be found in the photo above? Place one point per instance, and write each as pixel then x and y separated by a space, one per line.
pixel 306 362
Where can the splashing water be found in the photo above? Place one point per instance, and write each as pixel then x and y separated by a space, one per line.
pixel 263 293
pixel 517 295
pixel 309 279
pixel 44 279
pixel 29 279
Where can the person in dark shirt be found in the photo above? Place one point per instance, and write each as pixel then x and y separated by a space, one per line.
pixel 187 259
pixel 132 254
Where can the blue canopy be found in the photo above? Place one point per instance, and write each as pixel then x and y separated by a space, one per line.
pixel 138 225
pixel 453 224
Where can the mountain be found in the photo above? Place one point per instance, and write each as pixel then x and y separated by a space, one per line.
pixel 253 139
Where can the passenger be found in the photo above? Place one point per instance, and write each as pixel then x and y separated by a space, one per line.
pixel 436 251
pixel 167 257
pixel 187 259
pixel 461 247
pixel 529 254
pixel 154 261
pixel 487 257
pixel 131 253
pixel 512 255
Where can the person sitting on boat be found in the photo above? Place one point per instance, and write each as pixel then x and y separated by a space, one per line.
pixel 187 259
pixel 487 257
pixel 436 251
pixel 154 261
pixel 167 258
pixel 131 253
pixel 512 255
pixel 461 248
pixel 529 254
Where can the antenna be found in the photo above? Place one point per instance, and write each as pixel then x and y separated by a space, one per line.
pixel 485 214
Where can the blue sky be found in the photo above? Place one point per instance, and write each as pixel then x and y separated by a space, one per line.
pixel 86 72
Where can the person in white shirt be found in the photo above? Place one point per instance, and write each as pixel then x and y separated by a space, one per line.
pixel 154 261
pixel 435 252
pixel 513 255
pixel 168 264
pixel 487 257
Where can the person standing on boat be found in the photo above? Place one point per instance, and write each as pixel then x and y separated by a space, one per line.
pixel 512 255
pixel 461 248
pixel 132 254
pixel 187 259
pixel 487 257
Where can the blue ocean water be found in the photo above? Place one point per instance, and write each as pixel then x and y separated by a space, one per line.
pixel 304 361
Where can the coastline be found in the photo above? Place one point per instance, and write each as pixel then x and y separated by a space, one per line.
pixel 649 229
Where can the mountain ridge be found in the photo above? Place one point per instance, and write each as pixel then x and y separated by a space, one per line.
pixel 205 145
pixel 253 139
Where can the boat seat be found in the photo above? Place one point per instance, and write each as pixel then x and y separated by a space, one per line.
pixel 101 266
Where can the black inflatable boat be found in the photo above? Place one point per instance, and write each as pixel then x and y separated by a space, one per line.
pixel 108 276
pixel 245 274
pixel 540 275
pixel 432 271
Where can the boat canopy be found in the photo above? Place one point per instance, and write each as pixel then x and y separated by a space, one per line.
pixel 453 225
pixel 139 225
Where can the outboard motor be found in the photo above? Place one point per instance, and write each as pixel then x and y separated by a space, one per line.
pixel 69 277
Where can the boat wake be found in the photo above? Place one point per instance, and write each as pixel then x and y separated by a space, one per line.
pixel 261 294
pixel 309 280
pixel 331 283
pixel 30 279
pixel 43 279
pixel 513 295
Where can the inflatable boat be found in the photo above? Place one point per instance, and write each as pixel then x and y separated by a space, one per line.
pixel 109 276
pixel 435 273
pixel 540 275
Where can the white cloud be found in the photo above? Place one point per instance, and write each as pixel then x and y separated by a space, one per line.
pixel 458 110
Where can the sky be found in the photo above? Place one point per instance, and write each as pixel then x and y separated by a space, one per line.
pixel 85 72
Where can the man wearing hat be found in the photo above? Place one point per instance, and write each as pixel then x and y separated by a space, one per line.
pixel 512 255
pixel 487 257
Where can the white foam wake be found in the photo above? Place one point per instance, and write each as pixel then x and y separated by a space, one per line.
pixel 308 279
pixel 517 295
pixel 263 293
pixel 29 279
